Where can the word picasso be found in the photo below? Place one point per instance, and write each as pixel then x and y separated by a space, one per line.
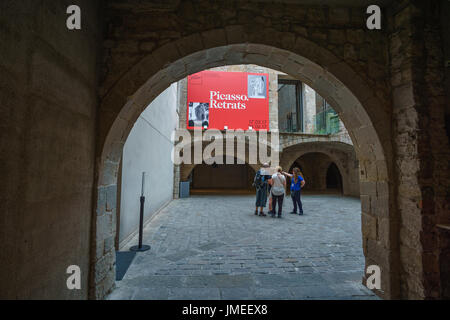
pixel 222 101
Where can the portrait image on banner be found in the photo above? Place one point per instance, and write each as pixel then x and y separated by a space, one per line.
pixel 228 100
pixel 257 85
pixel 199 114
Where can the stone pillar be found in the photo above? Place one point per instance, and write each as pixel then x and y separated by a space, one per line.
pixel 421 144
pixel 176 181
pixel 102 275
pixel 309 108
pixel 182 103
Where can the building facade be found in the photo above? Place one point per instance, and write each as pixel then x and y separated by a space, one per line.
pixel 312 137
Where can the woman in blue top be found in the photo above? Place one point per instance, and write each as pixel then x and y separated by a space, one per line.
pixel 297 183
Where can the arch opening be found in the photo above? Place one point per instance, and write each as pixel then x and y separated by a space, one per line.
pixel 221 178
pixel 321 172
pixel 334 178
pixel 355 115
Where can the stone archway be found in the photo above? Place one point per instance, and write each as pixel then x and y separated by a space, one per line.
pixel 334 177
pixel 349 94
pixel 222 178
pixel 320 166
pixel 317 164
pixel 187 170
pixel 342 154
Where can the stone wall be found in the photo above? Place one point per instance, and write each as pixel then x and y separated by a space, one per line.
pixel 48 102
pixel 421 146
pixel 445 32
pixel 444 234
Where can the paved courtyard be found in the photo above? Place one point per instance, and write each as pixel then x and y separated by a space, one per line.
pixel 214 247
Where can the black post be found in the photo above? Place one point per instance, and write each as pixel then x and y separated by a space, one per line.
pixel 141 247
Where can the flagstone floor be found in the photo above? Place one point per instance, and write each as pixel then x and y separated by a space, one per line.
pixel 214 247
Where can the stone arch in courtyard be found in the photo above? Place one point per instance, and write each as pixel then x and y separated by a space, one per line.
pixel 342 154
pixel 363 111
pixel 187 170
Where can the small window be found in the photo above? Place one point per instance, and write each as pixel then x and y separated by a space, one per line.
pixel 290 106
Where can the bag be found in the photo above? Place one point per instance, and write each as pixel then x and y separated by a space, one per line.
pixel 258 180
pixel 277 191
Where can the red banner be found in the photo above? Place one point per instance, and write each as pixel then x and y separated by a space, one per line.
pixel 228 100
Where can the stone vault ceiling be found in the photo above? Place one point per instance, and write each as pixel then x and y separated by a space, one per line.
pixel 142 6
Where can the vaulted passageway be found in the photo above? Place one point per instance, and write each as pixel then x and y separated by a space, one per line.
pixel 70 99
pixel 222 178
pixel 370 153
pixel 323 174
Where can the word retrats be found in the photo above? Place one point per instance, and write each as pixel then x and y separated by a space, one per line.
pixel 227 101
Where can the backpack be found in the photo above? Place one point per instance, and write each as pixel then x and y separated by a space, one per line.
pixel 258 181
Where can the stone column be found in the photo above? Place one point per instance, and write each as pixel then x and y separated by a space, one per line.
pixel 421 144
pixel 309 108
pixel 176 181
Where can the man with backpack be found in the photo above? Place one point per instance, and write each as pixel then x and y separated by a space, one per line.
pixel 261 184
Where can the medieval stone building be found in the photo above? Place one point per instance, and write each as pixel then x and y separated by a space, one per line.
pixel 70 98
pixel 304 126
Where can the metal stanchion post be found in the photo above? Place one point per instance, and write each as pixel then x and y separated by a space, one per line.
pixel 140 246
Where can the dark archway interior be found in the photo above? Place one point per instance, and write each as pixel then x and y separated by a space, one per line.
pixel 334 178
pixel 313 167
pixel 235 178
pixel 296 164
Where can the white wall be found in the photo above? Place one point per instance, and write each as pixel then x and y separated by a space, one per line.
pixel 148 148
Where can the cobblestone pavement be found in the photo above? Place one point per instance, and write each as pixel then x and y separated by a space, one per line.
pixel 214 247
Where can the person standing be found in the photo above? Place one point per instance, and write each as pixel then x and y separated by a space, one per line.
pixel 297 183
pixel 278 190
pixel 261 184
